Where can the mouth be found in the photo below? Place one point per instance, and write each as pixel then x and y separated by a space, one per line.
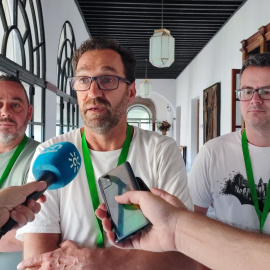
pixel 256 111
pixel 96 108
pixel 6 124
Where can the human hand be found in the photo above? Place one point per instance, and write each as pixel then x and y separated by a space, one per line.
pixel 68 256
pixel 11 199
pixel 161 208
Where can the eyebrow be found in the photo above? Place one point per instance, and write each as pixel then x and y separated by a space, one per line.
pixel 15 99
pixel 104 68
pixel 18 99
pixel 249 87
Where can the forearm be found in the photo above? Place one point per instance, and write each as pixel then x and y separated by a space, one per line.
pixel 203 211
pixel 215 244
pixel 120 259
pixel 38 243
pixel 9 243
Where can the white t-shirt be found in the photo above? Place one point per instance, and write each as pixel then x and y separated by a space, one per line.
pixel 218 176
pixel 69 211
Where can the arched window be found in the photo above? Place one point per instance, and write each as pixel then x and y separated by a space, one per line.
pixel 140 116
pixel 67 112
pixel 22 43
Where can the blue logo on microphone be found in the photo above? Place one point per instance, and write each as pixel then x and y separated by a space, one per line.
pixel 52 149
pixel 75 162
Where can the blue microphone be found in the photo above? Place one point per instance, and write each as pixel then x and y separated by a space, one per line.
pixel 57 165
pixel 60 161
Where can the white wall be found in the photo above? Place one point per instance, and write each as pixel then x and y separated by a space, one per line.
pixel 55 14
pixel 214 64
pixel 163 97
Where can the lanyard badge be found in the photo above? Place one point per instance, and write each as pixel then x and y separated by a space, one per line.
pixel 91 176
pixel 261 215
pixel 13 159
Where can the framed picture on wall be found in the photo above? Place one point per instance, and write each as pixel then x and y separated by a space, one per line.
pixel 237 120
pixel 211 112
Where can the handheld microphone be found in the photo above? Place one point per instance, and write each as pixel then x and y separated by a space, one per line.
pixel 57 165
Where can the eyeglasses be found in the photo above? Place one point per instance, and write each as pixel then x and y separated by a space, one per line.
pixel 247 94
pixel 104 82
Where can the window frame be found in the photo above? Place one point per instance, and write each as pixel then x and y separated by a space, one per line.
pixel 34 75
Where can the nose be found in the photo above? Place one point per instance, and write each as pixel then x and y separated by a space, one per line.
pixel 94 91
pixel 5 110
pixel 256 98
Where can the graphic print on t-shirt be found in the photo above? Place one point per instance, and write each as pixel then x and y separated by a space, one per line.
pixel 237 186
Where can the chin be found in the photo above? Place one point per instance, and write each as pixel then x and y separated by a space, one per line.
pixel 6 138
pixel 259 125
pixel 99 126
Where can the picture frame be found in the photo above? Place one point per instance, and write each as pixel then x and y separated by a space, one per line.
pixel 211 112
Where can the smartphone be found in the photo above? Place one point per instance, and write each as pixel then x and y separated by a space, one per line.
pixel 126 219
pixel 142 185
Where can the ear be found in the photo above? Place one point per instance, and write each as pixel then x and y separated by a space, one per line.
pixel 132 92
pixel 30 112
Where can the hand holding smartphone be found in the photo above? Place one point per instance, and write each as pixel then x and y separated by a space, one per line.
pixel 127 219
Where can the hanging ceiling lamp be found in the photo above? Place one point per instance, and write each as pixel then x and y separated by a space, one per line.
pixel 145 85
pixel 161 48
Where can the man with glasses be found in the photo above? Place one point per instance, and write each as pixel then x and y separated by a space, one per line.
pixel 232 171
pixel 105 84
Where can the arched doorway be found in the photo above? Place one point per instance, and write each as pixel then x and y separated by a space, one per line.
pixel 140 116
pixel 142 113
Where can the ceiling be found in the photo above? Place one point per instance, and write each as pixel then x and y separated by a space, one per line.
pixel 132 23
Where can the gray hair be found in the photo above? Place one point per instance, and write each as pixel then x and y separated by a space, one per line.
pixel 256 60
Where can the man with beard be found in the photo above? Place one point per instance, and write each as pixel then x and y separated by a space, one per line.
pixel 105 85
pixel 232 172
pixel 16 151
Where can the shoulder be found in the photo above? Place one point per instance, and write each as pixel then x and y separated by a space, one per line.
pixel 30 147
pixel 229 139
pixel 154 146
pixel 217 150
pixel 32 143
pixel 152 138
pixel 72 136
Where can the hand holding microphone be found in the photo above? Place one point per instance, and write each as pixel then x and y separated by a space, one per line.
pixel 57 165
pixel 11 199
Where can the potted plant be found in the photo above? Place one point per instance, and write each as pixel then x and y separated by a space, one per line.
pixel 164 126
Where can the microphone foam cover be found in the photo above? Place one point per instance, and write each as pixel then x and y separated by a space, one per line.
pixel 63 159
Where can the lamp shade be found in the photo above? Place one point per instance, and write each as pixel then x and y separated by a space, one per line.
pixel 145 88
pixel 161 48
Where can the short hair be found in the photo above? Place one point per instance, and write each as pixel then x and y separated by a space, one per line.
pixel 11 78
pixel 96 43
pixel 256 60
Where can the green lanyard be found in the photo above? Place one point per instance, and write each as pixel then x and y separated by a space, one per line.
pixel 91 176
pixel 13 159
pixel 261 215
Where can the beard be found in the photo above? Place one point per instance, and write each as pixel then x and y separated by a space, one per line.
pixel 258 121
pixel 103 123
pixel 6 137
pixel 259 124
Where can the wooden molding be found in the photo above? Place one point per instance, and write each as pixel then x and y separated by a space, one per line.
pixel 257 40
pixel 233 122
